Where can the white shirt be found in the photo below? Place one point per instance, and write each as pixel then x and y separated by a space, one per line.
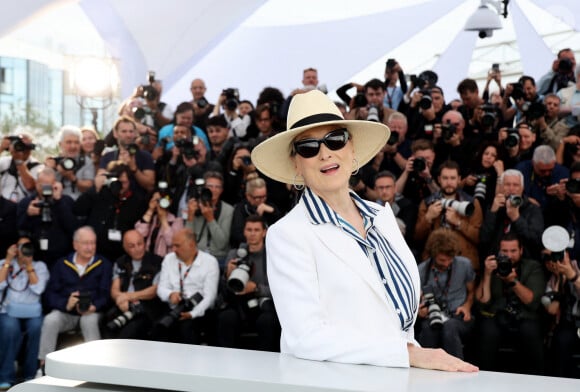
pixel 203 278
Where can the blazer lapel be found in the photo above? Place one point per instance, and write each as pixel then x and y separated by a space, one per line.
pixel 348 251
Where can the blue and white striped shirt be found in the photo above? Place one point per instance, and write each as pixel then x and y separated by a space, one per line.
pixel 391 270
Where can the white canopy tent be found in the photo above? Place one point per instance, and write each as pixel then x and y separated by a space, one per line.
pixel 251 44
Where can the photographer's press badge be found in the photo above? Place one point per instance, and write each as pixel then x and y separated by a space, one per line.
pixel 114 235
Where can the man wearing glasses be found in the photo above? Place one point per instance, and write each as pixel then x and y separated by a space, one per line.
pixel 256 203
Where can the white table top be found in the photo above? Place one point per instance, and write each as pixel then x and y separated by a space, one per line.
pixel 180 367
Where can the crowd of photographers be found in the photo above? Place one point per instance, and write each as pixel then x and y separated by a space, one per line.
pixel 166 217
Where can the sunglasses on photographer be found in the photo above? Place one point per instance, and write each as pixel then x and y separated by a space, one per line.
pixel 334 140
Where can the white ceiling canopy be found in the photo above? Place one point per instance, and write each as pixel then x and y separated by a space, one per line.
pixel 251 44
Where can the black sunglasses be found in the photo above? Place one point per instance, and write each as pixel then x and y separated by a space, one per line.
pixel 334 140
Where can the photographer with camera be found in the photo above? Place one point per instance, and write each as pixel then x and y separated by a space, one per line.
pixel 519 142
pixel 160 112
pixel 22 282
pixel 229 101
pixel 486 167
pixel 416 181
pixel 209 217
pixel 393 93
pixel 451 208
pixel 139 162
pixel 527 101
pixel 426 109
pixel 201 107
pixel 78 291
pixel 47 216
pixel 255 203
pixel 398 147
pixel 184 117
pixel 220 140
pixel 111 209
pixel 19 171
pixel 248 303
pixel 562 301
pixel 371 109
pixel 570 101
pixel 74 171
pixel 543 177
pixel 470 107
pixel 448 287
pixel 188 283
pixel 134 290
pixel 451 142
pixel 511 212
pixel 509 293
pixel 561 75
pixel 158 225
pixel 239 170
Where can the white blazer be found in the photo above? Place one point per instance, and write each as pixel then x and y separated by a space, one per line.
pixel 330 300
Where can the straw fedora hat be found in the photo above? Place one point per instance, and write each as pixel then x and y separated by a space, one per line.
pixel 309 110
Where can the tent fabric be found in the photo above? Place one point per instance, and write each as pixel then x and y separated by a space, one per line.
pixel 226 43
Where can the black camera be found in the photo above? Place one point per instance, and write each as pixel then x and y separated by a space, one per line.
pixel 419 164
pixel 232 98
pixel 518 90
pixel 121 320
pixel 360 100
pixel 165 197
pixel 535 110
pixel 149 92
pixel 201 103
pixel 45 203
pixel 185 305
pixel 489 115
pixel 197 190
pixel 241 274
pixel 573 185
pixel 436 315
pixel 139 113
pixel 504 265
pixel 512 139
pixel 448 130
pixel 187 147
pixel 247 160
pixel 515 200
pixel 26 249
pixel 393 139
pixel 84 301
pixel 418 81
pixel 112 182
pixel 565 66
pixel 19 145
pixel 132 148
pixel 426 100
pixel 66 163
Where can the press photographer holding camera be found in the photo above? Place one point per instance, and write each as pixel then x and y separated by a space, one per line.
pixel 416 181
pixel 73 169
pixel 188 283
pixel 19 171
pixel 561 75
pixel 134 290
pixel 139 162
pixel 426 108
pixel 509 294
pixel 371 108
pixel 448 287
pixel 248 303
pixel 209 217
pixel 22 282
pixel 511 212
pixel 452 208
pixel 78 291
pixel 158 225
pixel 228 101
pixel 562 301
pixel 111 208
pixel 47 216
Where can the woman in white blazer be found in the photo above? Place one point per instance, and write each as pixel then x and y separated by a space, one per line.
pixel 344 283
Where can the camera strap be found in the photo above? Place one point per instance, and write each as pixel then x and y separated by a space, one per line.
pixel 182 278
